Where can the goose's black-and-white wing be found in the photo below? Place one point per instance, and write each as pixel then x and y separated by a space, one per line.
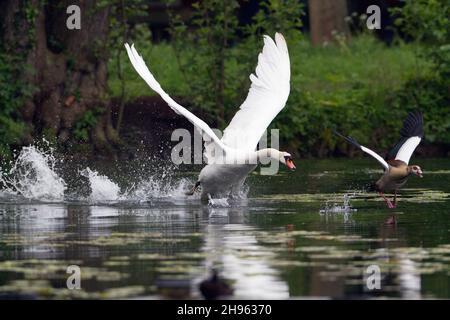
pixel 411 135
pixel 365 149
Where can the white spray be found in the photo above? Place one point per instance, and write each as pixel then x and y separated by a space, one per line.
pixel 102 189
pixel 33 176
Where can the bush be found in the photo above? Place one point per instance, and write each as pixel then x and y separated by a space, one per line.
pixel 13 93
pixel 351 89
pixel 86 123
pixel 361 87
pixel 427 23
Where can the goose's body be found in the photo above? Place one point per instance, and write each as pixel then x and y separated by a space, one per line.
pixel 233 157
pixel 395 164
pixel 394 178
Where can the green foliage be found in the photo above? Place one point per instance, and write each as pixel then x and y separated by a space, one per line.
pixel 120 31
pixel 201 54
pixel 428 23
pixel 214 61
pixel 351 89
pixel 31 11
pixel 361 87
pixel 331 87
pixel 13 93
pixel 431 95
pixel 14 87
pixel 162 61
pixel 282 16
pixel 86 123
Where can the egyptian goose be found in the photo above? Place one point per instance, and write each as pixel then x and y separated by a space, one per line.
pixel 231 158
pixel 396 168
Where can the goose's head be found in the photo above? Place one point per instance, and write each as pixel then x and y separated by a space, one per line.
pixel 415 169
pixel 286 159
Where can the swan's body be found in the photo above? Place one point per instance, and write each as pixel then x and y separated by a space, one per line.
pixel 233 157
pixel 223 180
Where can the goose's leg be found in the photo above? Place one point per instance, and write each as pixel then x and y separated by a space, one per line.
pixel 388 202
pixel 391 221
pixel 191 192
pixel 395 198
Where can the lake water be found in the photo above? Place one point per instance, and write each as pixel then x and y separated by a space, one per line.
pixel 289 238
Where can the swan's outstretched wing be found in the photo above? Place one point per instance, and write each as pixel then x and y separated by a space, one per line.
pixel 411 135
pixel 366 150
pixel 141 68
pixel 268 94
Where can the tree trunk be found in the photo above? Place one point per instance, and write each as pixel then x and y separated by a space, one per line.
pixel 325 17
pixel 70 71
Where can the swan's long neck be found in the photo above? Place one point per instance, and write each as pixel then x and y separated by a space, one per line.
pixel 263 156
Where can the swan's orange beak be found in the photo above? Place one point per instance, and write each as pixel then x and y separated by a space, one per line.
pixel 290 164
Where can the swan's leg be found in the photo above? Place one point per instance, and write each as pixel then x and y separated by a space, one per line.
pixel 235 192
pixel 191 192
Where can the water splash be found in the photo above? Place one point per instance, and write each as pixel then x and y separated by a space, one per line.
pixel 335 208
pixel 102 188
pixel 159 188
pixel 218 202
pixel 33 176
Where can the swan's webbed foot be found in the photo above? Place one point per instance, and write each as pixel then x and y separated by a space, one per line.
pixel 194 188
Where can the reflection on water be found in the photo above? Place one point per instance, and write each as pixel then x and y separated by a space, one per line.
pixel 231 244
pixel 276 244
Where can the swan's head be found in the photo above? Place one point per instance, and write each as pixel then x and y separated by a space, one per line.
pixel 286 159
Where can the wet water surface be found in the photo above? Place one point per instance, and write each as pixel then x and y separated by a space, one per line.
pixel 309 233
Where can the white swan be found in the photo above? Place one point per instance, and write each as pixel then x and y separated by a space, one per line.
pixel 233 157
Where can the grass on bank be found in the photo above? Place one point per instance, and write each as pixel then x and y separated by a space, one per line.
pixel 320 71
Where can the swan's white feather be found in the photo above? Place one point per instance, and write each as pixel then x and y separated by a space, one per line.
pixel 267 96
pixel 142 69
pixel 406 150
